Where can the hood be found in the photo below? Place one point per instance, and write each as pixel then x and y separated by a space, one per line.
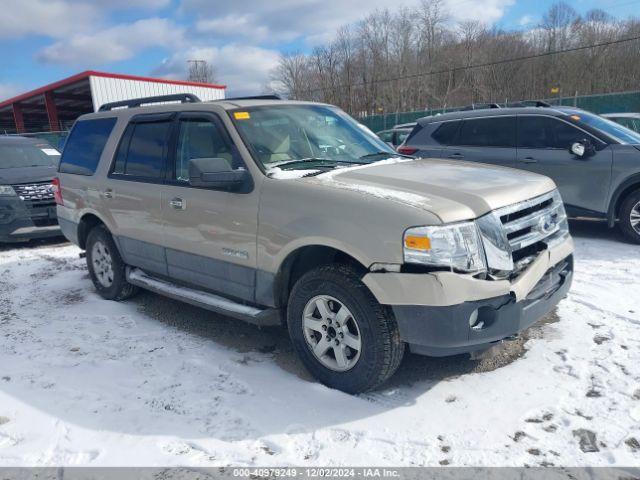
pixel 11 176
pixel 452 190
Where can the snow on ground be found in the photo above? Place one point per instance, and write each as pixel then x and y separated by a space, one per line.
pixel 152 381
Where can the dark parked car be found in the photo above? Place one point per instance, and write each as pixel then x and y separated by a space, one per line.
pixel 594 161
pixel 27 205
pixel 629 120
pixel 398 134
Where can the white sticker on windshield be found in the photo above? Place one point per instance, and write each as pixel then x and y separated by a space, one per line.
pixel 50 151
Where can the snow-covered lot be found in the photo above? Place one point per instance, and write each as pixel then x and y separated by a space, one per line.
pixel 151 381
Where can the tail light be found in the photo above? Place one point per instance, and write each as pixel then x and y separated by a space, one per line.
pixel 57 191
pixel 403 149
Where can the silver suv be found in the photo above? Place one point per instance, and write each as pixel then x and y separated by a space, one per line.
pixel 595 162
pixel 282 212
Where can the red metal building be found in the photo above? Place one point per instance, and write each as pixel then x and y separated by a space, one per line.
pixel 55 107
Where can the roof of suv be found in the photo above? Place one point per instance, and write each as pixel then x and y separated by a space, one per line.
pixel 496 112
pixel 227 104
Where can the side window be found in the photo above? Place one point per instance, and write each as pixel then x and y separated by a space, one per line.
pixel 447 132
pixel 488 132
pixel 537 131
pixel 566 134
pixel 85 145
pixel 142 150
pixel 199 138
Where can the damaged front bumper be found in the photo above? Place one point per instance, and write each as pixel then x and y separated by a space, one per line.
pixel 445 313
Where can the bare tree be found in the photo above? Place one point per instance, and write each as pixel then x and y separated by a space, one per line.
pixel 201 71
pixel 418 59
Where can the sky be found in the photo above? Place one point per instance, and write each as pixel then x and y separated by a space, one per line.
pixel 42 41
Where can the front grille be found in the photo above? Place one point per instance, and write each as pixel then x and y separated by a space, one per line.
pixel 531 225
pixel 37 194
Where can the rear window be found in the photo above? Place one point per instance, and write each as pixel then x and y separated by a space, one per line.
pixel 446 133
pixel 84 146
pixel 488 132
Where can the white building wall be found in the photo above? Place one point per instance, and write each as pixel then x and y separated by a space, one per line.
pixel 105 90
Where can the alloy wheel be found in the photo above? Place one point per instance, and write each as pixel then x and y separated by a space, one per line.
pixel 634 218
pixel 102 264
pixel 332 333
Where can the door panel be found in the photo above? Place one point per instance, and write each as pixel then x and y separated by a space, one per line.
pixel 543 147
pixel 210 235
pixel 132 194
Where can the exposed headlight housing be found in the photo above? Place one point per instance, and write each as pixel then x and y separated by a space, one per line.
pixel 7 190
pixel 456 246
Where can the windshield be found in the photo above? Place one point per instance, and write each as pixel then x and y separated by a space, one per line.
pixel 611 128
pixel 307 137
pixel 26 155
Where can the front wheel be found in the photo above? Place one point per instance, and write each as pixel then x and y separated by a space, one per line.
pixel 630 217
pixel 344 337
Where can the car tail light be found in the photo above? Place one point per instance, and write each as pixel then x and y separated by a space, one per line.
pixel 57 191
pixel 403 149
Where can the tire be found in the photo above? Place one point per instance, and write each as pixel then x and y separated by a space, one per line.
pixel 630 212
pixel 109 278
pixel 334 287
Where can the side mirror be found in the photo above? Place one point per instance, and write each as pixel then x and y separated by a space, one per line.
pixel 215 173
pixel 582 149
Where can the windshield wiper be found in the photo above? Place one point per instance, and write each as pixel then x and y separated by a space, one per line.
pixel 385 154
pixel 311 159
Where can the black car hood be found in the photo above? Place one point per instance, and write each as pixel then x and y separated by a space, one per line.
pixel 12 176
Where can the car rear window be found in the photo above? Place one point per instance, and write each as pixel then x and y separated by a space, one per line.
pixel 447 132
pixel 84 146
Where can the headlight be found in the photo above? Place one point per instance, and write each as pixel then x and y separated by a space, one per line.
pixel 456 246
pixel 7 190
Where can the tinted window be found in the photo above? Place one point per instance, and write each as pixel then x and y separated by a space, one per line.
pixel 142 150
pixel 199 139
pixel 447 132
pixel 85 144
pixel 488 132
pixel 546 132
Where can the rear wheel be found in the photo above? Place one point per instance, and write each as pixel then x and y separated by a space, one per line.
pixel 630 217
pixel 344 337
pixel 106 268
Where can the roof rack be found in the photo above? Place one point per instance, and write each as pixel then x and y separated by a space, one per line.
pixel 137 102
pixel 480 106
pixel 530 103
pixel 270 96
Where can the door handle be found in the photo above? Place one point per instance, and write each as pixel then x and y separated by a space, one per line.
pixel 456 155
pixel 529 160
pixel 108 193
pixel 178 203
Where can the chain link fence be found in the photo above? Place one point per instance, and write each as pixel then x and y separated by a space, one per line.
pixel 603 103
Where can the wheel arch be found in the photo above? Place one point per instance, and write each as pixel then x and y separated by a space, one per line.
pixel 87 222
pixel 305 258
pixel 631 184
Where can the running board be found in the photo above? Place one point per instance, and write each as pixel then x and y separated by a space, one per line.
pixel 202 299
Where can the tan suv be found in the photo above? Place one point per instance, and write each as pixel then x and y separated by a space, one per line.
pixel 282 212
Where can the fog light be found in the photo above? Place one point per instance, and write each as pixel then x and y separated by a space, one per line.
pixel 473 321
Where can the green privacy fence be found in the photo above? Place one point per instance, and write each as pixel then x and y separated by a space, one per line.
pixel 602 103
